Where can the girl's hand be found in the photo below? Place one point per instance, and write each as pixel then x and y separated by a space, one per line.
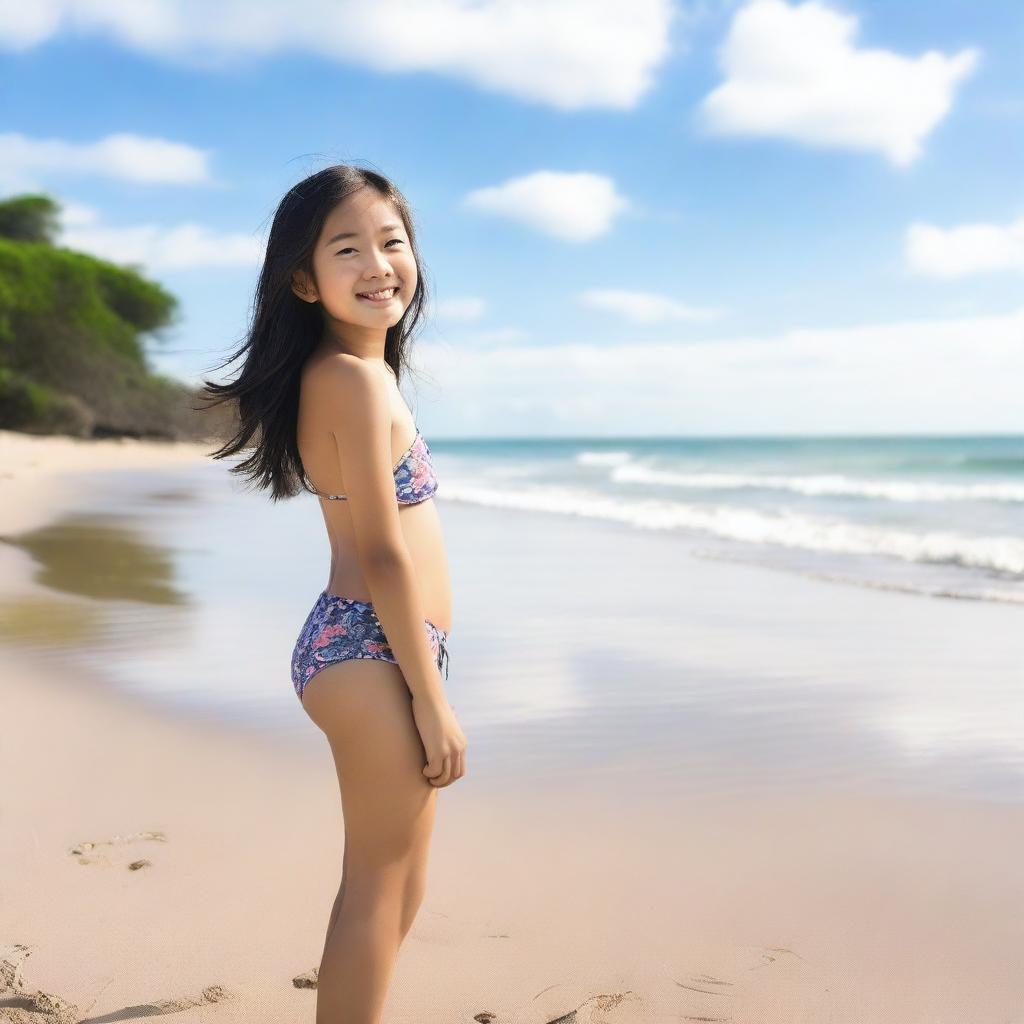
pixel 443 740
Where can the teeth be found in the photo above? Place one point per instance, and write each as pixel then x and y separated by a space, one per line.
pixel 385 294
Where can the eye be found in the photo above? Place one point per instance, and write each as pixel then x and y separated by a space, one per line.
pixel 389 241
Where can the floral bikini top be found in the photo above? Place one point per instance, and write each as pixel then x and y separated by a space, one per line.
pixel 415 479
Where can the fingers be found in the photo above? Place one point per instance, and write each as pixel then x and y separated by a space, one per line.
pixel 439 777
pixel 453 767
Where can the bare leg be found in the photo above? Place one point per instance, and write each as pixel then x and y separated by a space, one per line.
pixel 337 899
pixel 363 707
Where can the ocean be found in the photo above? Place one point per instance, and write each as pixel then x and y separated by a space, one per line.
pixel 939 516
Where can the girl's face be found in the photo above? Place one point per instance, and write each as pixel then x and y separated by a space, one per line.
pixel 363 248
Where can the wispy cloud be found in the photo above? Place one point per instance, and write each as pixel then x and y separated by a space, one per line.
pixel 569 54
pixel 870 378
pixel 500 335
pixel 966 249
pixel 475 336
pixel 572 207
pixel 794 72
pixel 465 310
pixel 121 156
pixel 645 307
pixel 156 247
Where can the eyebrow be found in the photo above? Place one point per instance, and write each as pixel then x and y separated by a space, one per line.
pixel 355 234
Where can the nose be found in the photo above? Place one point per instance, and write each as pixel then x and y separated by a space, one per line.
pixel 379 263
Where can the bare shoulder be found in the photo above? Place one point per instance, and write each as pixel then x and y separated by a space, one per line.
pixel 337 369
pixel 346 387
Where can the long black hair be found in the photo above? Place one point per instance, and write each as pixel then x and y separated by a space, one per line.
pixel 284 330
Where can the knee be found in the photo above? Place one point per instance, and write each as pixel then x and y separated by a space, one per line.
pixel 392 895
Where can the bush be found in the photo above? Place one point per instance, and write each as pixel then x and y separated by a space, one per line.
pixel 37 409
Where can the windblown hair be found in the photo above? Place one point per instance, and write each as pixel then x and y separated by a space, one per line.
pixel 284 330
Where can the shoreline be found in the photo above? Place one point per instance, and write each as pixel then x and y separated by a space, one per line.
pixel 37 470
pixel 812 905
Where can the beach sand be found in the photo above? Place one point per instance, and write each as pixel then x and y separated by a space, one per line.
pixel 155 864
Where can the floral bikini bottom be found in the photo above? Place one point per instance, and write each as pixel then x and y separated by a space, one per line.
pixel 343 629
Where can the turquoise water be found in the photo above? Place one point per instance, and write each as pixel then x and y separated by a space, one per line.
pixel 938 516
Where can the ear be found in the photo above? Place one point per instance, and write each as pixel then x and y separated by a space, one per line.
pixel 303 287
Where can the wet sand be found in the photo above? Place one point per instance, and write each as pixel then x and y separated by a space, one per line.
pixel 153 864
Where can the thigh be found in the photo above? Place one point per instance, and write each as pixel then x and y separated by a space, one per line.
pixel 364 708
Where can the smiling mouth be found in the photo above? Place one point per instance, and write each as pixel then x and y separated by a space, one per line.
pixel 383 295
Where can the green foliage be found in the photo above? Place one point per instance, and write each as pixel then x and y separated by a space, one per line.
pixel 71 353
pixel 29 218
pixel 37 409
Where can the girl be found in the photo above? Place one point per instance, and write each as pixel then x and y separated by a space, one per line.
pixel 338 297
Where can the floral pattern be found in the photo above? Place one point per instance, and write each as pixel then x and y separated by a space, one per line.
pixel 343 628
pixel 415 479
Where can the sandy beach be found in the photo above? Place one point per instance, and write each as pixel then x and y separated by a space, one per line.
pixel 156 863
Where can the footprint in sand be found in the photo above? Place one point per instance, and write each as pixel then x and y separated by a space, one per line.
pixel 736 984
pixel 211 994
pixel 572 1004
pixel 755 978
pixel 20 1006
pixel 90 852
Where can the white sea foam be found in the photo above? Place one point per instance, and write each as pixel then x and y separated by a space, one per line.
pixel 820 484
pixel 787 528
pixel 613 458
pixel 973 593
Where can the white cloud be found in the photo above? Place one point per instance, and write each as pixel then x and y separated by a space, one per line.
pixel 155 247
pixel 914 376
pixel 795 73
pixel 24 25
pixel 645 307
pixel 967 249
pixel 569 54
pixel 121 156
pixel 500 335
pixel 572 207
pixel 491 336
pixel 464 310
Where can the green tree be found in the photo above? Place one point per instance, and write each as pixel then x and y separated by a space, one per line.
pixel 72 358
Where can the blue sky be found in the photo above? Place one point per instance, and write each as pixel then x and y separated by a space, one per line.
pixel 718 217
